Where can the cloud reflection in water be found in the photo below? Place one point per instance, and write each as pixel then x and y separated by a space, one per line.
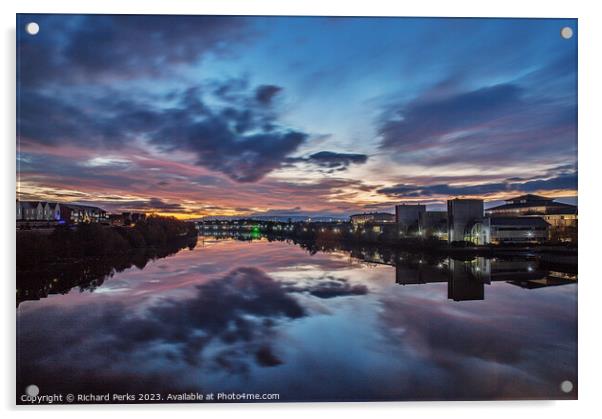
pixel 311 327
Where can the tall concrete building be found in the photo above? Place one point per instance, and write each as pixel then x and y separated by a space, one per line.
pixel 408 215
pixel 461 215
pixel 433 224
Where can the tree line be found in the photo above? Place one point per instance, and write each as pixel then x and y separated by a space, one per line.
pixel 96 240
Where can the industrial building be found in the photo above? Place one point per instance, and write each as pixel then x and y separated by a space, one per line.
pixel 462 214
pixel 524 219
pixel 562 218
pixel 433 224
pixel 407 216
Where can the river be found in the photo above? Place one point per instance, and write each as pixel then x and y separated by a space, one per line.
pixel 272 318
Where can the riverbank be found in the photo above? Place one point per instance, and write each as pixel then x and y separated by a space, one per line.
pixel 88 273
pixel 85 255
pixel 94 240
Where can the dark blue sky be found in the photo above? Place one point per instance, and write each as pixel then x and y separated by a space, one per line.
pixel 197 115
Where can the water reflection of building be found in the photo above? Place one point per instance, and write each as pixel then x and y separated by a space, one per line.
pixel 466 279
pixel 463 282
pixel 551 280
pixel 413 270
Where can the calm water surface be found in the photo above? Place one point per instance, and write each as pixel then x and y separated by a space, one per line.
pixel 268 317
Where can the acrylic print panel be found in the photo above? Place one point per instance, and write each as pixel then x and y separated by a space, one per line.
pixel 277 209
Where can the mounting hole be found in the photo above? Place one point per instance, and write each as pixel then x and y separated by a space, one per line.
pixel 566 32
pixel 566 386
pixel 32 390
pixel 32 28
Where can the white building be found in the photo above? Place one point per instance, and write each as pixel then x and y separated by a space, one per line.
pixel 29 210
pixel 53 211
pixel 509 230
pixel 38 211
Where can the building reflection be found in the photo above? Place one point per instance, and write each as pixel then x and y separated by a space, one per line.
pixel 466 279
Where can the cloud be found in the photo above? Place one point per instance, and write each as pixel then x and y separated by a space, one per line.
pixel 82 48
pixel 118 204
pixel 52 120
pixel 227 324
pixel 331 160
pixel 265 93
pixel 126 187
pixel 425 120
pixel 228 126
pixel 107 161
pixel 280 212
pixel 490 125
pixel 235 313
pixel 266 358
pixel 155 204
pixel 564 181
pixel 330 288
pixel 464 353
pixel 236 136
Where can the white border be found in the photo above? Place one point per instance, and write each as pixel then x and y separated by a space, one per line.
pixel 590 72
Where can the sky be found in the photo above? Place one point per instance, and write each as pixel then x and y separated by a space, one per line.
pixel 201 116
